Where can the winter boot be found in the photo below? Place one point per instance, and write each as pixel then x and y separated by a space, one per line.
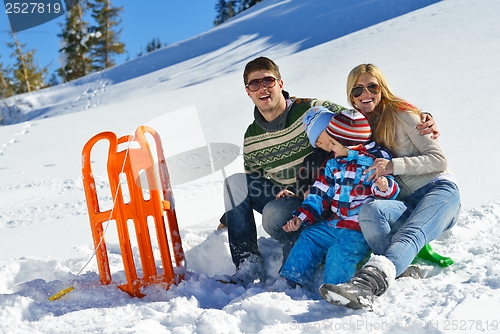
pixel 372 279
pixel 250 270
pixel 412 271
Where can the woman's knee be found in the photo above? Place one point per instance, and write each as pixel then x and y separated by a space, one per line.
pixel 372 209
pixel 453 211
pixel 454 219
pixel 370 215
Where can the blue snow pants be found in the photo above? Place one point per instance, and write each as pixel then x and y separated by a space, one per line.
pixel 341 249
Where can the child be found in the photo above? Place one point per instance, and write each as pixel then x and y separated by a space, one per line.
pixel 341 187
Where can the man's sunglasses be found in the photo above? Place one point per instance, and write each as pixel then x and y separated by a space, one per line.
pixel 255 84
pixel 371 88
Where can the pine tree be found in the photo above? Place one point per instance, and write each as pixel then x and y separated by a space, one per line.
pixel 155 44
pixel 245 4
pixel 6 90
pixel 228 8
pixel 77 43
pixel 6 87
pixel 53 80
pixel 27 77
pixel 107 37
pixel 225 10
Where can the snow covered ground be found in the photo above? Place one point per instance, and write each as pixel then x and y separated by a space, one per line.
pixel 442 57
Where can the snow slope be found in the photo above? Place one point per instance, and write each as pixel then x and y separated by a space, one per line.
pixel 441 57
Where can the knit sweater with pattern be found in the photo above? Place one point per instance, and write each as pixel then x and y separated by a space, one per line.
pixel 276 149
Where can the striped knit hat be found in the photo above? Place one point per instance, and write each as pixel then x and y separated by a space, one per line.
pixel 315 121
pixel 350 128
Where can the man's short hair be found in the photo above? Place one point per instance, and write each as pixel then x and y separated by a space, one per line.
pixel 261 64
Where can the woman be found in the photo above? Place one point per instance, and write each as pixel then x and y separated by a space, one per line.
pixel 429 202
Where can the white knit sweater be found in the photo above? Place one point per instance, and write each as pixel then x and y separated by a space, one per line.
pixel 417 159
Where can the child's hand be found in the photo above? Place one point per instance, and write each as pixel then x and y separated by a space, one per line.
pixel 382 183
pixel 292 225
pixel 285 193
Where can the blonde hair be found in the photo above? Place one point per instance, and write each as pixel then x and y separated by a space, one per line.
pixel 384 117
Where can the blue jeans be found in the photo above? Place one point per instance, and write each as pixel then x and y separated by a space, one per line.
pixel 244 193
pixel 399 230
pixel 340 248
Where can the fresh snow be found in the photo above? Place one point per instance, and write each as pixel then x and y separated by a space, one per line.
pixel 442 57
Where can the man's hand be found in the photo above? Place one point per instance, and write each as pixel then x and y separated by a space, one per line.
pixel 427 126
pixel 292 225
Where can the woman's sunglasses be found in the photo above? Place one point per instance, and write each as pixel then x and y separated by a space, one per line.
pixel 371 88
pixel 255 84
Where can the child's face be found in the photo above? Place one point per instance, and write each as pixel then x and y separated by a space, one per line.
pixel 328 144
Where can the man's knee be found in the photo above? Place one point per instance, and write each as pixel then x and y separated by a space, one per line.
pixel 235 190
pixel 236 182
pixel 271 221
pixel 276 213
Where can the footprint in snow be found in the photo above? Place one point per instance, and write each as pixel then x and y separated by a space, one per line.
pixel 23 131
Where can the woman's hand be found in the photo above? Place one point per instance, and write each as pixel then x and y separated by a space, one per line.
pixel 380 167
pixel 285 193
pixel 292 225
pixel 428 125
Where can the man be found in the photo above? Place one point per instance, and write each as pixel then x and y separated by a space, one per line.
pixel 274 147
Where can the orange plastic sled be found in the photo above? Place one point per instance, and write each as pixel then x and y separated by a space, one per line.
pixel 149 198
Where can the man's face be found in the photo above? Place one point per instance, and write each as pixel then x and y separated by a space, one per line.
pixel 266 98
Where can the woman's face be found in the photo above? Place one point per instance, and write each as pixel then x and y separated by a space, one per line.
pixel 370 96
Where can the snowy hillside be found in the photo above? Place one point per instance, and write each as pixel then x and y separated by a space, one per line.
pixel 441 57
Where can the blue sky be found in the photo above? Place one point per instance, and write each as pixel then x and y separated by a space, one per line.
pixel 169 20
